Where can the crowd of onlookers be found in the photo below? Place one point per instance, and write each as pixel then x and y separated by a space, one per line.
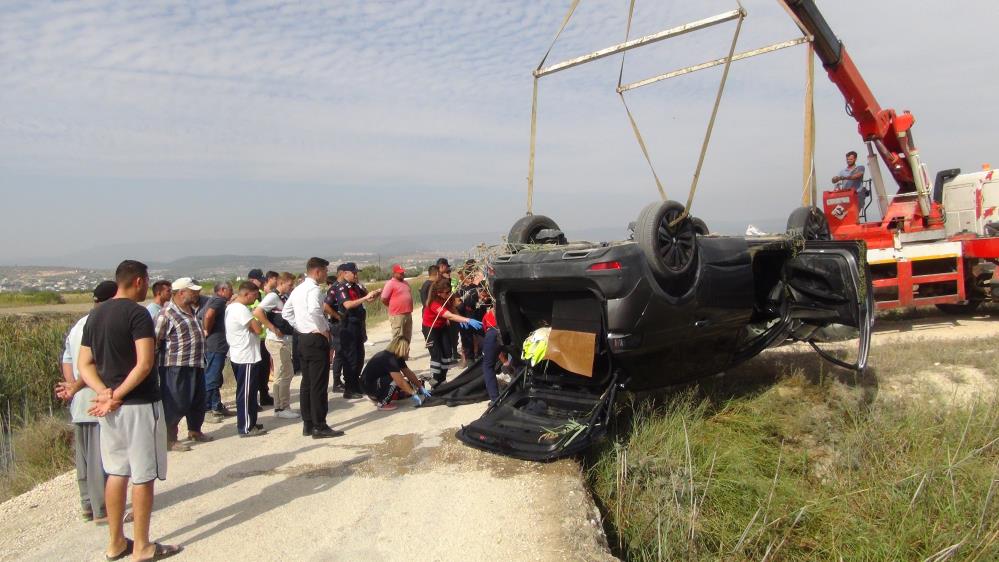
pixel 132 373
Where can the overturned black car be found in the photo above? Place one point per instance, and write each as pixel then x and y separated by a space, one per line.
pixel 669 305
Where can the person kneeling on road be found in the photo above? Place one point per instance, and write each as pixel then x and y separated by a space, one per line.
pixel 386 375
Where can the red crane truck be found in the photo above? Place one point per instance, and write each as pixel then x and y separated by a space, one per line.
pixel 936 243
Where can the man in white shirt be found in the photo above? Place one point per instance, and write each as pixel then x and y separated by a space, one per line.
pixel 304 311
pixel 90 474
pixel 278 343
pixel 242 334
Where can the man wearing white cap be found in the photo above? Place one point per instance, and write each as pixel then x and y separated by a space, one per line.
pixel 180 342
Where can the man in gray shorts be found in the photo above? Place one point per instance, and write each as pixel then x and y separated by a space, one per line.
pixel 117 355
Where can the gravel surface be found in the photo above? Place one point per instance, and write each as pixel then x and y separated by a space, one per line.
pixel 397 486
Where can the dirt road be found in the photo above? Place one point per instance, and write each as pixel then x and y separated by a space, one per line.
pixel 398 486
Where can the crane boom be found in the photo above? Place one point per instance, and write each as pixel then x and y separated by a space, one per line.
pixel 889 131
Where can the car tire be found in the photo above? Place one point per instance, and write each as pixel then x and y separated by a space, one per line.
pixel 700 226
pixel 808 223
pixel 671 252
pixel 526 229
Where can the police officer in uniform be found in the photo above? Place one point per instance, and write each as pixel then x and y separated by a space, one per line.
pixel 331 308
pixel 350 299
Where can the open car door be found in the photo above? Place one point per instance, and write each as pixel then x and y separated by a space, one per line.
pixel 828 284
pixel 550 411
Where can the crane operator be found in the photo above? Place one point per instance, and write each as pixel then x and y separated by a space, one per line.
pixel 852 177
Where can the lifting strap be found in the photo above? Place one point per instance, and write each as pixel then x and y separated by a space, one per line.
pixel 808 194
pixel 534 108
pixel 711 122
pixel 631 118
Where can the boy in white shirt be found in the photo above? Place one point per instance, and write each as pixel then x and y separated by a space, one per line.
pixel 242 334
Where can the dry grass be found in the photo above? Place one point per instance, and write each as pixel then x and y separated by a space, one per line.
pixel 787 458
pixel 44 449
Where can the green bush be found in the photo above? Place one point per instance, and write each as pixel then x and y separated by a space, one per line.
pixel 30 358
pixel 28 298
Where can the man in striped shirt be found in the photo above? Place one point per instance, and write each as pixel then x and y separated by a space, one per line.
pixel 180 343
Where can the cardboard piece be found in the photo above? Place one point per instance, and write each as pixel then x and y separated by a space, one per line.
pixel 573 351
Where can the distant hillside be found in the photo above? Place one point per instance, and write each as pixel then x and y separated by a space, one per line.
pixel 204 257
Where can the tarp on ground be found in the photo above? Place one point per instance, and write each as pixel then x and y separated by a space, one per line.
pixel 467 388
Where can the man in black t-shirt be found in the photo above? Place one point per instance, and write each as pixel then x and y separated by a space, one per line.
pixel 117 356
pixel 387 373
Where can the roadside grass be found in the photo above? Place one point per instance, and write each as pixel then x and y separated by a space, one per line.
pixel 44 450
pixel 10 300
pixel 35 439
pixel 789 458
pixel 30 359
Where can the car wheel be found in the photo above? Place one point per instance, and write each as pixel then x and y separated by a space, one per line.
pixel 959 309
pixel 670 250
pixel 700 226
pixel 808 223
pixel 526 230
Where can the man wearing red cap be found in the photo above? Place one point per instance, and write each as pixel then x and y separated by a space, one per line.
pixel 398 297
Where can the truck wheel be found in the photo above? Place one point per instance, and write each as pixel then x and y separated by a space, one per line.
pixel 808 223
pixel 959 309
pixel 671 251
pixel 526 230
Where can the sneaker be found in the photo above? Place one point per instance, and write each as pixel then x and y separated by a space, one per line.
pixel 256 431
pixel 325 433
pixel 387 407
pixel 287 414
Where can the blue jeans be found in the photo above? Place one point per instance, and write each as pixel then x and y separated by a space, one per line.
pixel 490 359
pixel 213 380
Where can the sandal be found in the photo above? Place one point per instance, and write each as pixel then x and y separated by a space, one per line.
pixel 127 551
pixel 161 551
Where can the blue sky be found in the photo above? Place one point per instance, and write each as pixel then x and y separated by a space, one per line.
pixel 158 121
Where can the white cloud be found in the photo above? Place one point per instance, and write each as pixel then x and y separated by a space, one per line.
pixel 432 97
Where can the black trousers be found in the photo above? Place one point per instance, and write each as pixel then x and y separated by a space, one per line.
pixel 337 353
pixel 314 350
pixel 296 360
pixel 352 350
pixel 262 373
